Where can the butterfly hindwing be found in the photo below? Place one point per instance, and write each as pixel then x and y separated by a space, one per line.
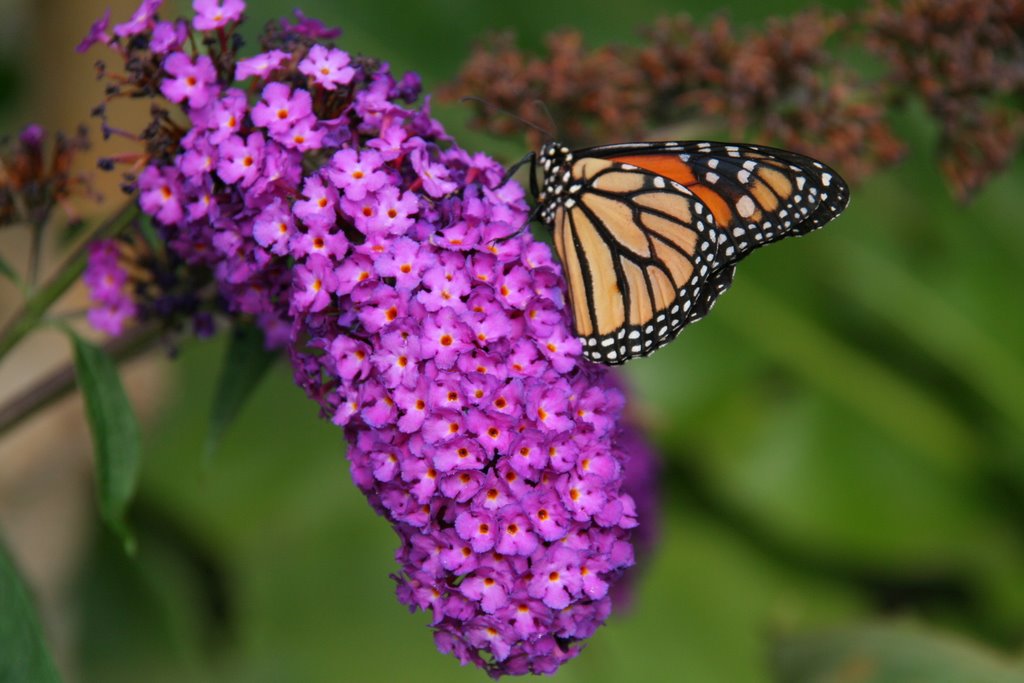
pixel 636 258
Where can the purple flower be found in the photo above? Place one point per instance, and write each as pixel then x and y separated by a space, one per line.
pixel 355 275
pixel 111 318
pixel 391 266
pixel 441 427
pixel 282 172
pixel 309 27
pixel 168 36
pixel 199 158
pixel 408 88
pixel 381 307
pixel 213 14
pixel 434 176
pixel 396 361
pixel 318 239
pixel 280 108
pixel 260 66
pixel 226 115
pixel 556 578
pixel 141 20
pixel 103 275
pixel 304 135
pixel 390 142
pixel 404 262
pixel 314 281
pixel 460 454
pixel 97 33
pixel 240 159
pixel 328 67
pixel 351 358
pixel 160 193
pixel 640 480
pixel 357 173
pixel 515 536
pixel 477 529
pixel 410 401
pixel 107 282
pixel 548 406
pixel 444 286
pixel 547 514
pixel 485 588
pixel 394 211
pixel 444 338
pixel 318 208
pixel 193 81
pixel 274 227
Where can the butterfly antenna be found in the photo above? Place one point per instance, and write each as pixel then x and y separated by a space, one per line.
pixel 540 104
pixel 506 112
pixel 528 158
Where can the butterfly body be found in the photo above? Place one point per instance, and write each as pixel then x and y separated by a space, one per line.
pixel 649 233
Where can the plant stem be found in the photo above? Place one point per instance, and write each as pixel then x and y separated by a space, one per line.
pixel 61 382
pixel 36 252
pixel 40 301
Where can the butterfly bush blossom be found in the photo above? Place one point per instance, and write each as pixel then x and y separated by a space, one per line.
pixel 392 267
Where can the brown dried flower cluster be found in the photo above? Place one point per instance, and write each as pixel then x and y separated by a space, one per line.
pixel 777 85
pixel 589 93
pixel 965 59
pixel 32 182
pixel 784 83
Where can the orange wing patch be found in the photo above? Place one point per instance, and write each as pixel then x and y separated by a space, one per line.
pixel 674 168
pixel 668 165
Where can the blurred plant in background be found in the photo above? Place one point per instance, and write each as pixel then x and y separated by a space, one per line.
pixel 895 488
pixel 792 82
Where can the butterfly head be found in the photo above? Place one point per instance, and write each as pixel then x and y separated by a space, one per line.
pixel 555 160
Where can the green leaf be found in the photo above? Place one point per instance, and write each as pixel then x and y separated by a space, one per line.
pixel 115 434
pixel 23 652
pixel 8 272
pixel 927 317
pixel 246 361
pixel 149 233
pixel 888 653
pixel 890 400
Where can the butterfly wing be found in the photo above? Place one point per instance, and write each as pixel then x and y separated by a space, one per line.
pixel 757 194
pixel 649 233
pixel 638 251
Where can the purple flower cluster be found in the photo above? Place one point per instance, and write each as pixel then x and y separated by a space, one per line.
pixel 393 268
pixel 108 286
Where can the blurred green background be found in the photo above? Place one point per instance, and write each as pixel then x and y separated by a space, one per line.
pixel 843 479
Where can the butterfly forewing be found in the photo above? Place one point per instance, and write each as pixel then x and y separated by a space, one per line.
pixel 649 233
pixel 758 194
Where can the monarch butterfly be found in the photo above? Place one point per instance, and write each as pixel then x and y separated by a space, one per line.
pixel 649 233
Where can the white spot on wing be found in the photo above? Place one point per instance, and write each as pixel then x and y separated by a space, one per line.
pixel 745 206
